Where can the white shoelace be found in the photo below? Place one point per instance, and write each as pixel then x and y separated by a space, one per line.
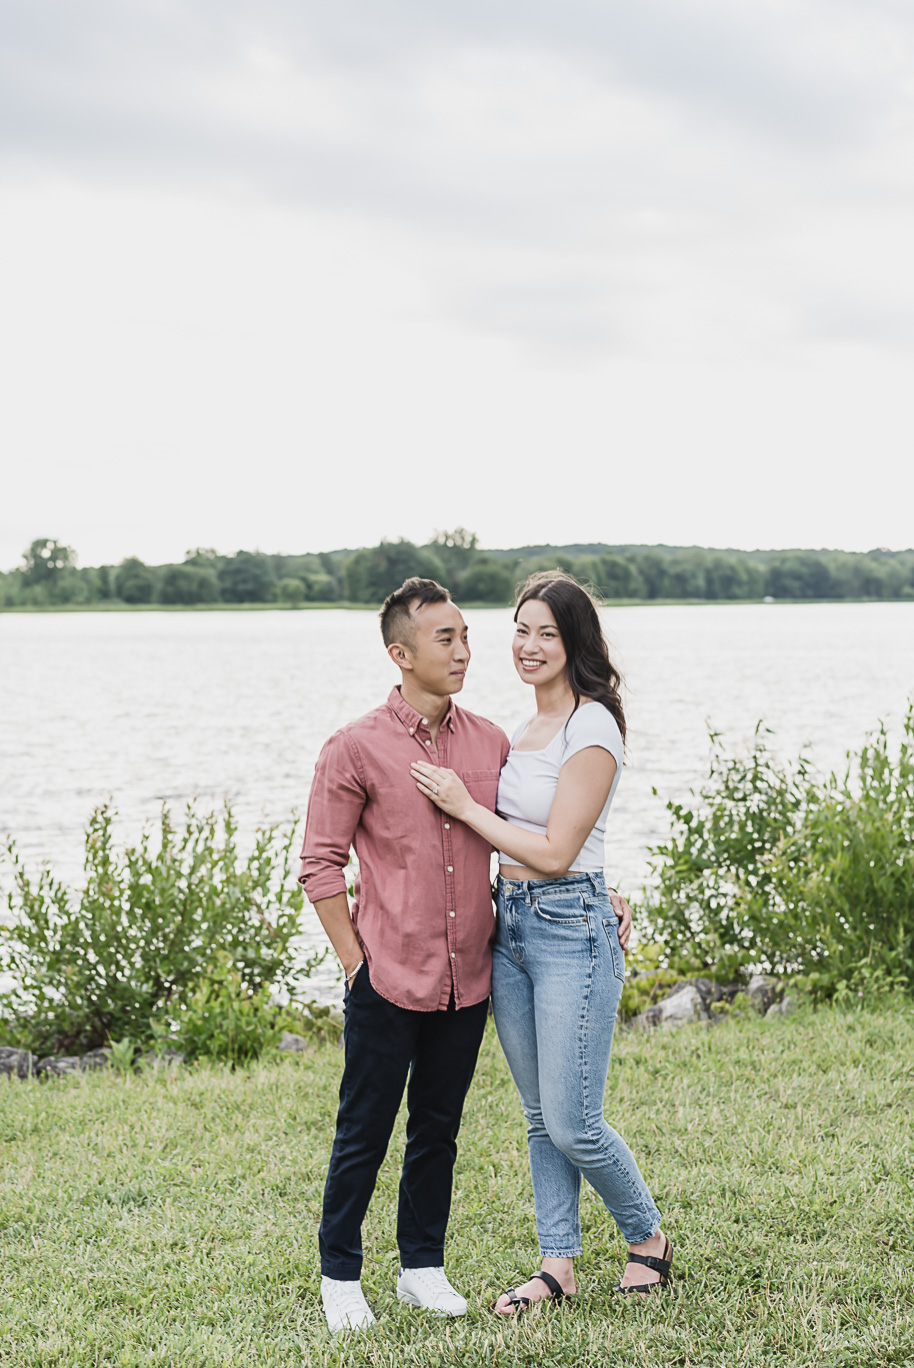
pixel 432 1279
pixel 350 1300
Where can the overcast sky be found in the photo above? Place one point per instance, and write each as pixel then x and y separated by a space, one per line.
pixel 298 276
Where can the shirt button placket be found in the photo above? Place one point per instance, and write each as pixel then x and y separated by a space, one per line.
pixel 450 899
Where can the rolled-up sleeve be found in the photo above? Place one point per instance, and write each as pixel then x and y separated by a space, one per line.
pixel 334 808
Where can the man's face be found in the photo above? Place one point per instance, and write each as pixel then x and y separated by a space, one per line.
pixel 438 658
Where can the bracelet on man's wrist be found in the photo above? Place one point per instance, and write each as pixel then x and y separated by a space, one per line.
pixel 351 976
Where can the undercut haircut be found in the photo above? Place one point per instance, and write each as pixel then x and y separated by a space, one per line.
pixel 397 623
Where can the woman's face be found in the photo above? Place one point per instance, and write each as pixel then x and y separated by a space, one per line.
pixel 539 656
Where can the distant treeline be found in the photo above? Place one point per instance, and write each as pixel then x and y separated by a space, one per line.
pixel 50 575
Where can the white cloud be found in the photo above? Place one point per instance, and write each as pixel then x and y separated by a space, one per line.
pixel 265 265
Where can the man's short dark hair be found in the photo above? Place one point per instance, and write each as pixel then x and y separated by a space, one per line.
pixel 396 615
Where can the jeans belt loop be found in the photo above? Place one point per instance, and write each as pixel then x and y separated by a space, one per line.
pixel 594 884
pixel 526 887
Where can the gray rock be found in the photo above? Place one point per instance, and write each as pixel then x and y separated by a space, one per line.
pixel 96 1059
pixel 682 1005
pixel 709 990
pixel 785 1008
pixel 61 1066
pixel 291 1041
pixel 167 1059
pixel 15 1063
pixel 763 991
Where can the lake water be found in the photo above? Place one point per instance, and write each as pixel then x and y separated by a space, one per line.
pixel 148 708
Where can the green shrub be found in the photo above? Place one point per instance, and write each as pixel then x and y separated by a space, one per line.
pixel 771 868
pixel 712 903
pixel 224 1019
pixel 148 928
pixel 846 873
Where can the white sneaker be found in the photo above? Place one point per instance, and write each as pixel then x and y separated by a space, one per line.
pixel 345 1306
pixel 429 1287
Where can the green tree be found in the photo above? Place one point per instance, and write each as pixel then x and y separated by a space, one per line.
pixel 189 583
pixel 555 561
pixel 104 581
pixel 487 581
pixel 134 582
pixel 321 588
pixel 246 578
pixel 291 591
pixel 799 575
pixel 73 586
pixel 687 574
pixel 47 559
pixel 651 566
pixel 321 585
pixel 729 577
pixel 374 572
pixel 457 552
pixel 612 576
pixel 872 578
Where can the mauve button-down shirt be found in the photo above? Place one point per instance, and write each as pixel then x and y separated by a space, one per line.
pixel 423 900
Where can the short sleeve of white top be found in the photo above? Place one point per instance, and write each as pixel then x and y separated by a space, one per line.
pixel 528 779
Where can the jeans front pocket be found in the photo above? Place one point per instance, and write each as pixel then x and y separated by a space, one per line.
pixel 567 910
pixel 611 927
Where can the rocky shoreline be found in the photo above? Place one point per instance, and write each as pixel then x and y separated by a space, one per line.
pixel 695 1000
pixel 704 1000
pixel 23 1064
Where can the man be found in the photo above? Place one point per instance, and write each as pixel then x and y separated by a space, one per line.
pixel 415 948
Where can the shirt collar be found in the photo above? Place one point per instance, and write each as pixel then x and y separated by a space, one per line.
pixel 415 721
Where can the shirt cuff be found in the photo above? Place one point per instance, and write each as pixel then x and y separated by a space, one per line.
pixel 322 883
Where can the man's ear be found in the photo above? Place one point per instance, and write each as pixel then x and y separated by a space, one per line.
pixel 400 655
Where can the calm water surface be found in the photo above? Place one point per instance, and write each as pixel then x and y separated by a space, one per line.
pixel 148 708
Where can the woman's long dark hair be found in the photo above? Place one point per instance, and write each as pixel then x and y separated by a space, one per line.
pixel 591 673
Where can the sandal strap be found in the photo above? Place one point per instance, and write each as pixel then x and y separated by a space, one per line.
pixel 642 1287
pixel 514 1299
pixel 555 1287
pixel 662 1266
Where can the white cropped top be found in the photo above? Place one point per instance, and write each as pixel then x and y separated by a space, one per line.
pixel 528 779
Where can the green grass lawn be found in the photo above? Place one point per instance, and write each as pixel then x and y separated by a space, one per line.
pixel 172 1220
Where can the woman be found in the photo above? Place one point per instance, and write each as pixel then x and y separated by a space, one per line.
pixel 558 966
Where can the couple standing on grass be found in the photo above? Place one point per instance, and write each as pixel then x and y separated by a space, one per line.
pixel 425 791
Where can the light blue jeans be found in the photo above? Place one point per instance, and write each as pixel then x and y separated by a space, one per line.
pixel 557 976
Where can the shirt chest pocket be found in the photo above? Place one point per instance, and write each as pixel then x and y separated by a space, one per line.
pixel 482 786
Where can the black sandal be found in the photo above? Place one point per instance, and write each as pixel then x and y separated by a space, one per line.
pixel 662 1266
pixel 524 1303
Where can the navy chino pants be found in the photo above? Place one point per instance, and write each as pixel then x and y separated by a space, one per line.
pixel 385 1045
